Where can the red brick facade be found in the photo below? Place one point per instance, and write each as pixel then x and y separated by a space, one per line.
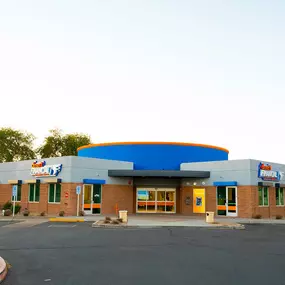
pixel 124 196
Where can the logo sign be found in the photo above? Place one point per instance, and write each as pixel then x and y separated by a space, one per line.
pixel 40 169
pixel 66 195
pixel 78 190
pixel 14 190
pixel 265 172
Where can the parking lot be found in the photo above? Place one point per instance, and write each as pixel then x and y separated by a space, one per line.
pixel 78 254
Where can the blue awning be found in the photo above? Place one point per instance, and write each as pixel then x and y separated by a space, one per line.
pixel 225 183
pixel 93 181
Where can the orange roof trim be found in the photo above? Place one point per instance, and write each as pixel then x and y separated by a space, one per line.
pixel 155 143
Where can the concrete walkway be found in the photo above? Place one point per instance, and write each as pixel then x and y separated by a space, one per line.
pixel 151 221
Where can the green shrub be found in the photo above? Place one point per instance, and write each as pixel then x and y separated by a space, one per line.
pixel 17 208
pixel 115 222
pixel 81 213
pixel 8 205
pixel 279 217
pixel 7 213
pixel 43 213
pixel 120 220
pixel 61 213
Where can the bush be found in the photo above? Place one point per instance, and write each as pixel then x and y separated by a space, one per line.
pixel 7 213
pixel 257 216
pixel 115 222
pixel 108 219
pixel 81 213
pixel 8 205
pixel 107 222
pixel 120 220
pixel 17 208
pixel 26 212
pixel 279 217
pixel 61 213
pixel 43 213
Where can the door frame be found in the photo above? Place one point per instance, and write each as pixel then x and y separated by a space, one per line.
pixel 156 189
pixel 90 212
pixel 229 214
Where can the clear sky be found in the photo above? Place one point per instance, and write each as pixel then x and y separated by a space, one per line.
pixel 165 70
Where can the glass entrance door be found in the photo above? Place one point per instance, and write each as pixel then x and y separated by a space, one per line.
pixel 156 200
pixel 92 199
pixel 87 194
pixel 227 201
pixel 231 204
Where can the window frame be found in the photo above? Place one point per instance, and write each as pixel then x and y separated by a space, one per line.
pixel 35 189
pixel 19 187
pixel 54 193
pixel 278 189
pixel 263 188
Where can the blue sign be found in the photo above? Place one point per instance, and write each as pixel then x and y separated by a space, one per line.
pixel 78 190
pixel 267 173
pixel 15 190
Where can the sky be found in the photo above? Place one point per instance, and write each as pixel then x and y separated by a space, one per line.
pixel 209 72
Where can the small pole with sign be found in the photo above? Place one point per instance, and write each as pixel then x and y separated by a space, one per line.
pixel 14 194
pixel 78 191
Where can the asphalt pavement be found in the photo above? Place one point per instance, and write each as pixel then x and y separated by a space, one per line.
pixel 65 254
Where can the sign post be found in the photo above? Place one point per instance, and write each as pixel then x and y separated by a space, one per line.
pixel 14 194
pixel 78 191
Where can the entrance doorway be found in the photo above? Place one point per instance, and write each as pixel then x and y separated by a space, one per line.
pixel 156 200
pixel 227 201
pixel 92 199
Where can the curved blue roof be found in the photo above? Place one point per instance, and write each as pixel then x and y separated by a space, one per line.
pixel 155 155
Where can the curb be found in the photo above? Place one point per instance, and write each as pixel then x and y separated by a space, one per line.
pixel 3 269
pixel 67 220
pixel 222 227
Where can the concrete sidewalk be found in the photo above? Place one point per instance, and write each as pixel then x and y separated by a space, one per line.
pixel 150 220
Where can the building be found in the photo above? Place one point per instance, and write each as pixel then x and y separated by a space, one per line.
pixel 154 177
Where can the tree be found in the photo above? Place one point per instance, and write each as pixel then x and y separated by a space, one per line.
pixel 16 145
pixel 59 144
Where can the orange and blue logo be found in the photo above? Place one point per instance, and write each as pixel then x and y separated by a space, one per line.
pixel 266 172
pixel 40 169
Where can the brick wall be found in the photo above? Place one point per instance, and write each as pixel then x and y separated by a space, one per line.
pixel 264 211
pixel 123 195
pixel 68 205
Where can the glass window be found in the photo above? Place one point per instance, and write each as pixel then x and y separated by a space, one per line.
pixel 19 193
pixel 263 196
pixel 34 192
pixel 54 193
pixel 279 194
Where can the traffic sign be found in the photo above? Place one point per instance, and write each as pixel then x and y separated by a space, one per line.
pixel 15 190
pixel 78 189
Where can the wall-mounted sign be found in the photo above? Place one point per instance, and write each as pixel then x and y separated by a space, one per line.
pixel 40 169
pixel 266 172
pixel 199 201
pixel 143 195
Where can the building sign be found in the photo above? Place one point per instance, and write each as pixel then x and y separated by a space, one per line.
pixel 199 201
pixel 40 169
pixel 143 195
pixel 266 172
